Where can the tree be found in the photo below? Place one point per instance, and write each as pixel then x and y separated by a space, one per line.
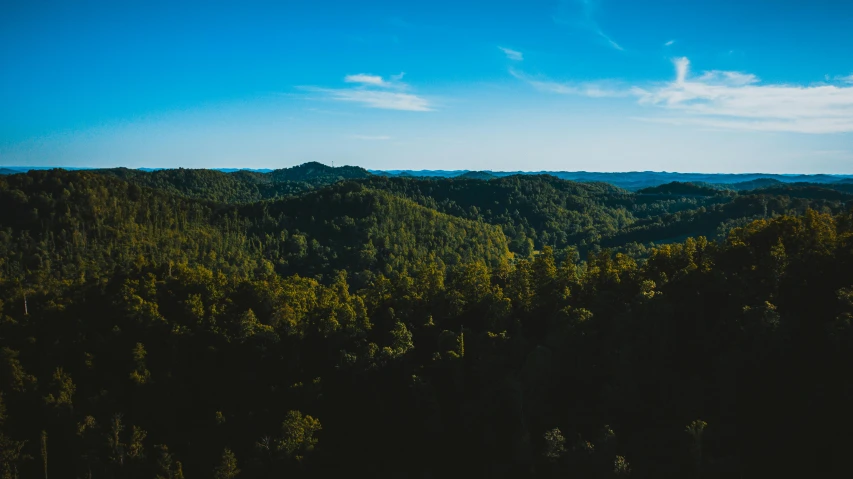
pixel 141 375
pixel 401 342
pixel 114 441
pixel 136 448
pixel 11 456
pixel 227 468
pixel 297 435
pixel 43 449
pixel 555 444
pixel 167 467
pixel 63 391
pixel 92 443
pixel 621 468
pixel 15 377
pixel 696 429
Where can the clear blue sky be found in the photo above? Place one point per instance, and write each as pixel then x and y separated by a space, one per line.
pixel 598 85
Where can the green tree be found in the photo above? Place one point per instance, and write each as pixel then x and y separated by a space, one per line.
pixel 141 375
pixel 43 450
pixel 167 467
pixel 227 468
pixel 63 388
pixel 297 435
pixel 14 375
pixel 696 429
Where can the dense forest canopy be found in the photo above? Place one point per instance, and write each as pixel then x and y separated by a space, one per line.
pixel 317 322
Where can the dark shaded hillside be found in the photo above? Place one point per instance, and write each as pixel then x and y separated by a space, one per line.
pixel 477 175
pixel 635 180
pixel 682 189
pixel 379 327
pixel 716 220
pixel 755 184
pixel 532 210
pixel 314 173
pixel 349 226
pixel 107 223
pixel 239 186
pixel 166 336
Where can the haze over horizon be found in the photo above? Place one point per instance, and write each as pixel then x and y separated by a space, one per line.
pixel 572 85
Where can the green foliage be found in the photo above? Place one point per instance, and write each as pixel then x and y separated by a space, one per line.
pixel 297 435
pixel 227 468
pixel 395 310
pixel 166 467
pixel 62 391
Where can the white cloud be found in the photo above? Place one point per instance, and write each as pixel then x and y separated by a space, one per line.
pixel 370 137
pixel 717 77
pixel 580 14
pixel 512 54
pixel 381 99
pixel 729 100
pixel 373 91
pixel 669 43
pixel 609 40
pixel 361 78
pixel 600 89
pixel 724 99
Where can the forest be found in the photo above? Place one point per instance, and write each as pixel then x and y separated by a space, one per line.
pixel 331 322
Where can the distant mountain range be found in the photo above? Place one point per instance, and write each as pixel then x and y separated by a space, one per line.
pixel 633 180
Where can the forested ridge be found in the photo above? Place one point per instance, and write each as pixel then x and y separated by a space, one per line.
pixel 317 322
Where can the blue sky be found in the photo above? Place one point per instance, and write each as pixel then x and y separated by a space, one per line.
pixel 596 85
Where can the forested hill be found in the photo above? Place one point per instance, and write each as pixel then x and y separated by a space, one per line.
pixel 350 226
pixel 532 210
pixel 239 186
pixel 107 223
pixel 384 327
pixel 318 172
pixel 535 211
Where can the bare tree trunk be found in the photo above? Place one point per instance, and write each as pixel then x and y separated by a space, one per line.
pixel 44 451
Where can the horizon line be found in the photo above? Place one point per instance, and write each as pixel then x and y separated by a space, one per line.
pixel 25 169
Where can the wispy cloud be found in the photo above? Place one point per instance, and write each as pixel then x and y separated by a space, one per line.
pixel 364 79
pixel 385 100
pixel 370 137
pixel 512 54
pixel 374 91
pixel 610 41
pixel 600 89
pixel 669 43
pixel 581 14
pixel 728 100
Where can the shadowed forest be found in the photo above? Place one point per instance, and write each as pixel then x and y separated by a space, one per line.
pixel 331 322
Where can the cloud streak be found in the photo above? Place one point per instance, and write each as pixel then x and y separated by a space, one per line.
pixel 728 100
pixel 567 14
pixel 374 91
pixel 512 54
pixel 363 79
pixel 601 89
pixel 383 100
